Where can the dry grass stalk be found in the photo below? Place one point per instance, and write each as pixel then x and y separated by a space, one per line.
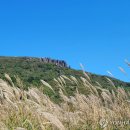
pixel 35 110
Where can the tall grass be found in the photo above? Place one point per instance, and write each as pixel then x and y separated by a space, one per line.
pixel 33 110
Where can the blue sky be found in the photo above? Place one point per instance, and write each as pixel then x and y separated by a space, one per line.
pixel 95 33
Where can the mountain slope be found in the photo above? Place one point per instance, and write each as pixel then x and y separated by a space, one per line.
pixel 32 70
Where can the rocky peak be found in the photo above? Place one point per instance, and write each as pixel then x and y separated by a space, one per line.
pixel 60 63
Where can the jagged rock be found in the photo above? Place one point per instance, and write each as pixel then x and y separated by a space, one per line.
pixel 60 63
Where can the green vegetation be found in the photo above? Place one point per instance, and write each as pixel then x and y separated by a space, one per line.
pixel 31 70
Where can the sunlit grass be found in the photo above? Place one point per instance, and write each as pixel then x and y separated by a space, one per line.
pixel 33 110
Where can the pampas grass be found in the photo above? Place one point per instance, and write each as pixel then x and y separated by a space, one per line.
pixel 48 85
pixel 33 110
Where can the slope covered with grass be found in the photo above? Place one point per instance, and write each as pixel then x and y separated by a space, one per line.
pixel 32 109
pixel 46 96
pixel 30 71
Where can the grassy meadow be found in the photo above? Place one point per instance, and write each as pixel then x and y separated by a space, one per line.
pixel 32 109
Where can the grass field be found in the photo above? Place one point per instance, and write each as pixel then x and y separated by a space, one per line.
pixel 32 109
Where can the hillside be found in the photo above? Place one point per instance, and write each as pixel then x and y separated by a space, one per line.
pixel 60 104
pixel 32 70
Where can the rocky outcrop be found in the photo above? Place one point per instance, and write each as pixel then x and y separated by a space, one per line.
pixel 60 63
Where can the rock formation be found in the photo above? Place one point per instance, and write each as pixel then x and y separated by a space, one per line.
pixel 60 63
